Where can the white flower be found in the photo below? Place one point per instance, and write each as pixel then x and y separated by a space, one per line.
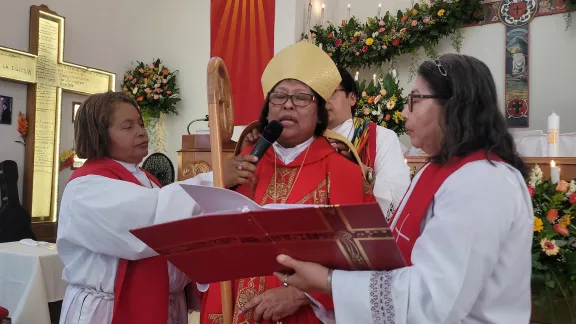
pixel 572 189
pixel 535 176
pixel 135 90
pixel 394 73
pixel 378 97
pixel 375 34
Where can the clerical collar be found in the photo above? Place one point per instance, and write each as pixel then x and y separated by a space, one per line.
pixel 138 173
pixel 287 155
pixel 346 129
pixel 133 168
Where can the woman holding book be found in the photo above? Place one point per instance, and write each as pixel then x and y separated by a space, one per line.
pixel 464 228
pixel 300 168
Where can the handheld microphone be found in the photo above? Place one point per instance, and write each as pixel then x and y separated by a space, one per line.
pixel 270 134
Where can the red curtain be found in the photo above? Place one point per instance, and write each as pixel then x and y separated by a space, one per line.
pixel 242 34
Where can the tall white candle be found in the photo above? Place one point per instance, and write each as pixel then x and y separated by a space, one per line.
pixel 356 76
pixel 379 9
pixel 554 172
pixel 348 11
pixel 322 15
pixel 374 79
pixel 553 132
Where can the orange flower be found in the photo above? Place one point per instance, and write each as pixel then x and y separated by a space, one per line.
pixel 140 98
pixel 404 18
pixel 164 72
pixel 22 124
pixel 371 99
pixel 552 215
pixel 562 186
pixel 414 12
pixel 561 230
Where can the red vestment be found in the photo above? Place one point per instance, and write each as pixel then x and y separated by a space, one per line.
pixel 317 176
pixel 407 228
pixel 141 291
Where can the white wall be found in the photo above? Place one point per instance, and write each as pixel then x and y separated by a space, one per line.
pixel 552 57
pixel 109 35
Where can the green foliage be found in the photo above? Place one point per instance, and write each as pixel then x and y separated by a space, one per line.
pixel 382 103
pixel 380 39
pixel 154 87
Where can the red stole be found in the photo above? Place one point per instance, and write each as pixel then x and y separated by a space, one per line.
pixel 364 140
pixel 141 291
pixel 325 177
pixel 407 228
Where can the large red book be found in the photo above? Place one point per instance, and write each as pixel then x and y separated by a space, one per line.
pixel 236 238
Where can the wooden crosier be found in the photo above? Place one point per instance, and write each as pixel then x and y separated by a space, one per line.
pixel 221 122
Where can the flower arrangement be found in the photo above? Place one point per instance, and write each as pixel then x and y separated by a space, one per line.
pixel 67 159
pixel 154 87
pixel 382 102
pixel 353 44
pixel 554 245
pixel 22 128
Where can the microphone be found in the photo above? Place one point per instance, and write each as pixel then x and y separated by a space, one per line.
pixel 270 134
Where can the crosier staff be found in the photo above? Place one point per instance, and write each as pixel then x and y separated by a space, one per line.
pixel 221 122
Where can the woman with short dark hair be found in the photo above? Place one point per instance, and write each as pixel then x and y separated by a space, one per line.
pixel 112 275
pixel 465 226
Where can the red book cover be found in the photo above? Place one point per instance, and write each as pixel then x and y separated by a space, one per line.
pixel 243 241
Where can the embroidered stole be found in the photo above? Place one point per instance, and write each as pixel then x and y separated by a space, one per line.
pixel 407 228
pixel 364 140
pixel 141 291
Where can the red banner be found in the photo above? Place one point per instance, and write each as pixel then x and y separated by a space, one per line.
pixel 242 34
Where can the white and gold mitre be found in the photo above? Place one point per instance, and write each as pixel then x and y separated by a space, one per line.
pixel 306 63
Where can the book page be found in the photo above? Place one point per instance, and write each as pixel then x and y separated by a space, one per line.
pixel 214 201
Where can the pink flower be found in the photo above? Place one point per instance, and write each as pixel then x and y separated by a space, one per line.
pixel 426 20
pixel 141 70
pixel 572 198
pixel 387 117
pixel 357 54
pixel 366 111
pixel 168 92
pixel 381 30
pixel 531 191
pixel 156 96
pixel 364 49
pixel 147 90
pixel 151 65
pixel 414 23
pixel 381 23
pixel 338 42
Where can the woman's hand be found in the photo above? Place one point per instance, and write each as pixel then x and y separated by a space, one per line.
pixel 342 149
pixel 250 139
pixel 308 276
pixel 238 170
pixel 276 304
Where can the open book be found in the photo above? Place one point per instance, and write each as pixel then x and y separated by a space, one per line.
pixel 236 238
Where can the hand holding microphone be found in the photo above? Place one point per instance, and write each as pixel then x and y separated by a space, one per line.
pixel 239 169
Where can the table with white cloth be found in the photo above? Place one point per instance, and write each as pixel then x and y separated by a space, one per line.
pixel 30 278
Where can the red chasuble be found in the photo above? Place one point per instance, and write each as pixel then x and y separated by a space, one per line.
pixel 407 228
pixel 141 292
pixel 319 175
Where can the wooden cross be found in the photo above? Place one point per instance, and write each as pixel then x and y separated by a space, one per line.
pixel 517 15
pixel 47 75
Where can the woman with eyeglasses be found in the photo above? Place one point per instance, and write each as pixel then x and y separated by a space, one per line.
pixel 464 227
pixel 300 168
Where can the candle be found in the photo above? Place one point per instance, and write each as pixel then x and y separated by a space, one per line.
pixel 348 11
pixel 553 130
pixel 379 8
pixel 322 15
pixel 554 172
pixel 406 161
pixel 356 76
pixel 374 79
pixel 394 73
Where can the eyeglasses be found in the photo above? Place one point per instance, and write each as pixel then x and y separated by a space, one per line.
pixel 411 97
pixel 298 99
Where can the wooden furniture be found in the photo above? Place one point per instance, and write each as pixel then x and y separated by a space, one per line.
pixel 194 157
pixel 567 165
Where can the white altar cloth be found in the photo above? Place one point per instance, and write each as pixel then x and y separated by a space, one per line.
pixel 30 278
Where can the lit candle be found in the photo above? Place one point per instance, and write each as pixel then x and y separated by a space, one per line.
pixel 379 8
pixel 553 131
pixel 356 76
pixel 348 11
pixel 554 172
pixel 406 161
pixel 322 15
pixel 374 79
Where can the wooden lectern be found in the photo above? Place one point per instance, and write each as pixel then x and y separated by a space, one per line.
pixel 194 157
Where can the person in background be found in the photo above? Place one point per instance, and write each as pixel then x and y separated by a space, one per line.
pixel 465 227
pixel 6 114
pixel 301 167
pixel 388 176
pixel 113 277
